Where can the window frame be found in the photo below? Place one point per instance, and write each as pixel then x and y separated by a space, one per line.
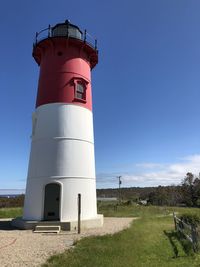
pixel 84 84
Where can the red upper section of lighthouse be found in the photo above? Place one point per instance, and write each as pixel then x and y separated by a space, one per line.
pixel 65 59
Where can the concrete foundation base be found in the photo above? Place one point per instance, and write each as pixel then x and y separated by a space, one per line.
pixel 65 226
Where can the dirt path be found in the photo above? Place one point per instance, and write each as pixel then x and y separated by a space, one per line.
pixel 20 248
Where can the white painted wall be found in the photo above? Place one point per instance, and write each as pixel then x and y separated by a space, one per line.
pixel 70 188
pixel 62 151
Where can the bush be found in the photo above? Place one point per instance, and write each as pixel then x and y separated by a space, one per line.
pixel 191 218
pixel 127 203
pixel 12 202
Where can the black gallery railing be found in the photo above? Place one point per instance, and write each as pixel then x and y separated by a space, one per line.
pixel 66 32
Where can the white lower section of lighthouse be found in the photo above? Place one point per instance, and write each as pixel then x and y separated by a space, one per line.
pixel 61 165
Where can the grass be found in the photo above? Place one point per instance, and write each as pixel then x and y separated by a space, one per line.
pixel 10 212
pixel 150 241
pixel 114 210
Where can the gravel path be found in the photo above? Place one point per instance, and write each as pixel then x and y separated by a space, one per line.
pixel 20 248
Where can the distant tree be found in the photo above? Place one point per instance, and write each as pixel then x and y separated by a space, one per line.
pixel 197 191
pixel 17 201
pixel 187 193
pixel 165 195
pixel 191 190
pixel 174 195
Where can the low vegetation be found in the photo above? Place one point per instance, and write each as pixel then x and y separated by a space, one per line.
pixel 113 209
pixel 191 218
pixel 10 202
pixel 150 241
pixel 10 212
pixel 11 207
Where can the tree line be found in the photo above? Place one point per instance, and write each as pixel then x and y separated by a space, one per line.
pixel 8 202
pixel 185 194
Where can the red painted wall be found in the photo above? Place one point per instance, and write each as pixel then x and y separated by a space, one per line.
pixel 62 62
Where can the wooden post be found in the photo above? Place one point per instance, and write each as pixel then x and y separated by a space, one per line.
pixel 119 190
pixel 79 213
pixel 175 221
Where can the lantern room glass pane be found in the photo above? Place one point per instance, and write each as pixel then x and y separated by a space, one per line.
pixel 66 30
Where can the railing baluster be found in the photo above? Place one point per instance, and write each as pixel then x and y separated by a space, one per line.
pixel 95 44
pixel 49 31
pixel 36 36
pixel 85 35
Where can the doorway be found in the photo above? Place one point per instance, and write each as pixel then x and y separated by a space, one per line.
pixel 52 202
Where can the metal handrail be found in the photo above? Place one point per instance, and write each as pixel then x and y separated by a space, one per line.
pixel 86 37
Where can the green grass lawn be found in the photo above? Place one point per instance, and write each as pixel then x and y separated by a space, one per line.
pixel 150 242
pixel 10 212
pixel 114 210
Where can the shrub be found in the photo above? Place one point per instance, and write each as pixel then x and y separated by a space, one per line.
pixel 11 202
pixel 191 218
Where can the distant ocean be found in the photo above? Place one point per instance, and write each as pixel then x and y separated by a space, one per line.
pixel 10 195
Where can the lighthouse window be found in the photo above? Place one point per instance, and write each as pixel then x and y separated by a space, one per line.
pixel 80 91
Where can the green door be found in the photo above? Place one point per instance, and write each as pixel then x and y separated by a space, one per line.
pixel 52 202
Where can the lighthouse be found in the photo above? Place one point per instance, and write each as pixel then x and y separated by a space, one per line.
pixel 62 161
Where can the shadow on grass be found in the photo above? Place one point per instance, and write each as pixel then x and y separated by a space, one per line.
pixel 176 238
pixel 172 236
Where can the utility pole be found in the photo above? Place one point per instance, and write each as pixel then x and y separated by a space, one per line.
pixel 119 190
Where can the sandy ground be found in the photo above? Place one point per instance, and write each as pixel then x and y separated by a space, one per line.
pixel 20 248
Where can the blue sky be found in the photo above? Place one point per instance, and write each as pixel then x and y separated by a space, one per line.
pixel 146 87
